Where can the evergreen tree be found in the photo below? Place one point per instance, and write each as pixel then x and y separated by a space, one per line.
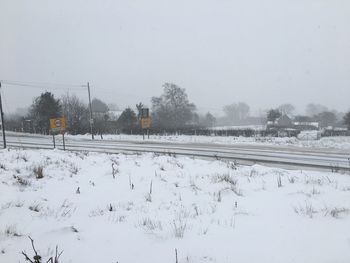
pixel 273 115
pixel 127 120
pixel 43 108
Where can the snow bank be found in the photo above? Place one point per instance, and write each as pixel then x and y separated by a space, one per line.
pixel 341 142
pixel 139 208
pixel 309 135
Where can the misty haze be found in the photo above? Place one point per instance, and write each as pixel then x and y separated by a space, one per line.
pixel 175 131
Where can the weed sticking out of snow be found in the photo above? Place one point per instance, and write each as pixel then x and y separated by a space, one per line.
pixel 11 231
pixel 209 210
pixel 151 226
pixel 336 212
pixel 306 210
pixel 21 181
pixel 35 207
pixel 2 167
pixel 179 223
pixel 38 172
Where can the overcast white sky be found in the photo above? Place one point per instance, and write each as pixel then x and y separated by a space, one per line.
pixel 263 52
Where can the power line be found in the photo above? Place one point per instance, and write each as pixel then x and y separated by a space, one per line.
pixel 114 92
pixel 43 85
pixel 62 86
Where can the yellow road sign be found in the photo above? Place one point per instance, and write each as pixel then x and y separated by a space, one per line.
pixel 57 124
pixel 145 123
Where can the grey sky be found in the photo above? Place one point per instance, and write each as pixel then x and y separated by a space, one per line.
pixel 263 52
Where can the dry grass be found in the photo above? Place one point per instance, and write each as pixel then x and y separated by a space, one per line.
pixel 38 172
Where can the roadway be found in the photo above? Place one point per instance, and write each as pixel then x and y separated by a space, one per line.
pixel 276 155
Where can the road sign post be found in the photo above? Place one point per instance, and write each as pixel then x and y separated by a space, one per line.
pixel 58 125
pixel 53 140
pixel 145 122
pixel 2 121
pixel 64 143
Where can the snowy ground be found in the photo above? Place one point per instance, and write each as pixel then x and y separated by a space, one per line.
pixel 139 208
pixel 340 142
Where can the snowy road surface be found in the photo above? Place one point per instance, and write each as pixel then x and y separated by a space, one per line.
pixel 274 154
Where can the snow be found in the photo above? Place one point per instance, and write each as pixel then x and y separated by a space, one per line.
pixel 340 142
pixel 240 127
pixel 309 135
pixel 209 210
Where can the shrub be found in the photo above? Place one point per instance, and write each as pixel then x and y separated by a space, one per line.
pixel 38 172
pixel 11 231
pixel 279 181
pixel 179 224
pixel 35 207
pixel 227 178
pixel 21 181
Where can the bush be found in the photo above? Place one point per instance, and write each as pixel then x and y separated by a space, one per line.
pixel 38 172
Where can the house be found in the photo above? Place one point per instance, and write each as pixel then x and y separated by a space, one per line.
pixel 282 126
pixel 283 122
pixel 306 125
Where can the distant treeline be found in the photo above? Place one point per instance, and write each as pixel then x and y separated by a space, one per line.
pixel 171 113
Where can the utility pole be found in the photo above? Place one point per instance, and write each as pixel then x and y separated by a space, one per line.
pixel 2 120
pixel 91 119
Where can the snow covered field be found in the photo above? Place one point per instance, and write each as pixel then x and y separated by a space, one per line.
pixel 341 142
pixel 139 208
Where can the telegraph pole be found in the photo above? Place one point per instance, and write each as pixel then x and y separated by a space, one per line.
pixel 91 120
pixel 2 120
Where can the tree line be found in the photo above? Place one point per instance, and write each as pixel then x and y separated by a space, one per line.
pixel 171 111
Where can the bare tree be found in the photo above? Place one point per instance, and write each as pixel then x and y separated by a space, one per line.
pixel 326 118
pixel 139 108
pixel 172 109
pixel 207 120
pixel 210 120
pixel 286 108
pixel 237 112
pixel 37 258
pixel 314 109
pixel 113 107
pixel 76 113
pixel 346 119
